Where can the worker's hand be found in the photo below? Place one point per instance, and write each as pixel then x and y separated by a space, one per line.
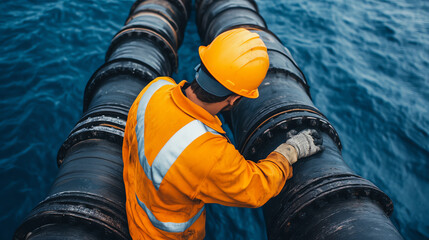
pixel 306 142
pixel 303 144
pixel 288 152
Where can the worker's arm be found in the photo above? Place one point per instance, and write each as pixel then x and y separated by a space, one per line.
pixel 235 181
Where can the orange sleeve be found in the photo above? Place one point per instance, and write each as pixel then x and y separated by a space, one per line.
pixel 235 181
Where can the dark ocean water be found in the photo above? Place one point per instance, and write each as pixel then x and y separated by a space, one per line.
pixel 367 63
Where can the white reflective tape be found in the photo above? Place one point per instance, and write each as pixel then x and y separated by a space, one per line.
pixel 174 147
pixel 169 226
pixel 140 123
pixel 167 155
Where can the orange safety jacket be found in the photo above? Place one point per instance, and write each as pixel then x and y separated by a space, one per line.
pixel 177 158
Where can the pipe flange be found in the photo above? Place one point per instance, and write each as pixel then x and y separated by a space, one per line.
pixel 111 110
pixel 299 76
pixel 102 120
pixel 162 14
pixel 275 112
pixel 127 33
pixel 77 208
pixel 168 33
pixel 113 68
pixel 105 132
pixel 335 186
pixel 180 6
pixel 330 193
pixel 282 124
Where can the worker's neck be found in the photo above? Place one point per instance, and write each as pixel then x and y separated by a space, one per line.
pixel 212 108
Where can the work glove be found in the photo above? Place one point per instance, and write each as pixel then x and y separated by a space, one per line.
pixel 303 144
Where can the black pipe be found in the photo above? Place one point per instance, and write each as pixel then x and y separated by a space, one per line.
pixel 324 199
pixel 87 194
pixel 87 199
pixel 176 12
pixel 219 16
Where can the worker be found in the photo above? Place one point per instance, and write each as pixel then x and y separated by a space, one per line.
pixel 176 155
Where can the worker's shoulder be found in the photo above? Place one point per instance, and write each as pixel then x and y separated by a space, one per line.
pixel 164 78
pixel 212 139
pixel 155 84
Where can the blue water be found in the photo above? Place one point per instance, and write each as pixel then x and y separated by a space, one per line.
pixel 367 63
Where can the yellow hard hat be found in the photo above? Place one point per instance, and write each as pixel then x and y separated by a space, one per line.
pixel 238 60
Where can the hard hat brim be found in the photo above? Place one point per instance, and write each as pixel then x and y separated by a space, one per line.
pixel 201 50
pixel 210 84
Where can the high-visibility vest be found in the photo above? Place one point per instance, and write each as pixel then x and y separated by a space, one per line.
pixel 177 158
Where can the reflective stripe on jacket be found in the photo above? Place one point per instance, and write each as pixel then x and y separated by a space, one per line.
pixel 176 158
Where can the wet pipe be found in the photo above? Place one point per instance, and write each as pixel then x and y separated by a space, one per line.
pixel 87 199
pixel 325 199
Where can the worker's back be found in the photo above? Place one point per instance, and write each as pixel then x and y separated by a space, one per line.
pixel 162 181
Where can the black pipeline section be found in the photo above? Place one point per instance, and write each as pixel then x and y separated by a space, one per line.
pixel 87 199
pixel 325 199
